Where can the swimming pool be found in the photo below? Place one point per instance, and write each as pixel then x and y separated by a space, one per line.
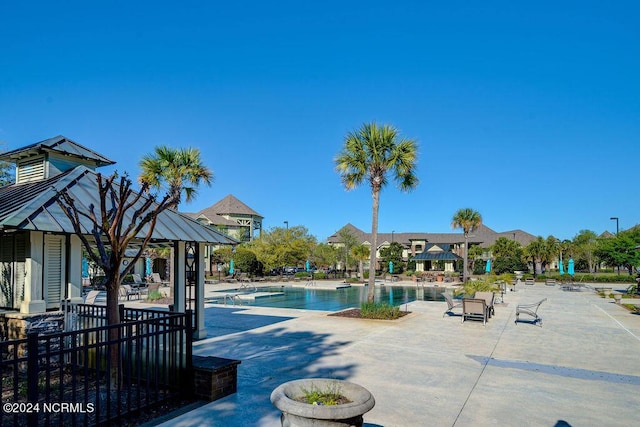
pixel 334 300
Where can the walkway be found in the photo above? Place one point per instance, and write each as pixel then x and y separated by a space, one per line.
pixel 582 368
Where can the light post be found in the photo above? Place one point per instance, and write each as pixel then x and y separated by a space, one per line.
pixel 617 230
pixel 560 246
pixel 617 226
pixel 287 224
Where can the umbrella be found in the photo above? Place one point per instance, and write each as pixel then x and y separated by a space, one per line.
pixel 561 267
pixel 231 269
pixel 570 267
pixel 85 267
pixel 488 266
pixel 391 267
pixel 148 269
pixel 306 265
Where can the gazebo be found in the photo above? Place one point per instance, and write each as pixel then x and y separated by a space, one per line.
pixel 40 254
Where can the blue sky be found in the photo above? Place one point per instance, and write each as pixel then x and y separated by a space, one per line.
pixel 527 113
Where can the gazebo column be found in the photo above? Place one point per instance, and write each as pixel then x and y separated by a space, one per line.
pixel 200 331
pixel 179 279
pixel 33 301
pixel 74 276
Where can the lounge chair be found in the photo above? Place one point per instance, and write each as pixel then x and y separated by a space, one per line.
pixel 155 278
pixel 473 308
pixel 91 297
pixel 451 304
pixel 489 298
pixel 531 310
pixel 126 292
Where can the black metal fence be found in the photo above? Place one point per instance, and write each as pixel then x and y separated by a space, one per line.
pixel 96 374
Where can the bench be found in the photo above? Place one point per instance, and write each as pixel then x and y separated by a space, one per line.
pixel 550 282
pixel 531 310
pixel 529 282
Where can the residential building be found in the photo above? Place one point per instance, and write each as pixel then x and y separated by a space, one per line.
pixel 431 251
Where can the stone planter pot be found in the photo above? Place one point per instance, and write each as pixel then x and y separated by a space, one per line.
pixel 296 413
pixel 617 297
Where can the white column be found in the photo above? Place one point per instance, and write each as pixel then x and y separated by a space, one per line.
pixel 200 331
pixel 179 283
pixel 74 276
pixel 33 301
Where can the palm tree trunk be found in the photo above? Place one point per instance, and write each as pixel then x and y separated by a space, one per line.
pixel 375 193
pixel 466 252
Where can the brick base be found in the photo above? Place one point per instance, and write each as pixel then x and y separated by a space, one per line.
pixel 214 377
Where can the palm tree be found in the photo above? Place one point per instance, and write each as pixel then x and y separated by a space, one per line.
pixel 179 170
pixel 370 153
pixel 360 253
pixel 468 220
pixel 537 251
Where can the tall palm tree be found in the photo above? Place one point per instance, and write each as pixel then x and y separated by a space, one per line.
pixel 469 220
pixel 179 169
pixel 370 153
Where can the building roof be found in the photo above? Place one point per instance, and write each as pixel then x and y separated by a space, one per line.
pixel 213 220
pixel 229 205
pixel 58 144
pixel 33 206
pixel 483 236
pixel 436 256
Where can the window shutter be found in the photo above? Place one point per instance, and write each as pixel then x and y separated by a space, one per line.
pixel 54 270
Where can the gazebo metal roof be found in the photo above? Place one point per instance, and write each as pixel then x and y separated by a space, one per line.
pixel 34 206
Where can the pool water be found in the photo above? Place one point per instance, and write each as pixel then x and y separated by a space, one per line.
pixel 340 299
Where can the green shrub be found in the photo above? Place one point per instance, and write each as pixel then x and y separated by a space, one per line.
pixel 470 288
pixel 302 274
pixel 372 310
pixel 320 276
pixel 155 295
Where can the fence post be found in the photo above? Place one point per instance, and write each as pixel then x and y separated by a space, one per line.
pixel 121 310
pixel 32 375
pixel 188 333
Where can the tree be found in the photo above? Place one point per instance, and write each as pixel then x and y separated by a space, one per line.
pixel 392 253
pixel 245 260
pixel 121 217
pixel 620 250
pixel 280 247
pixel 178 170
pixel 508 255
pixel 469 220
pixel 360 253
pixel 586 244
pixel 475 252
pixel 348 240
pixel 325 255
pixel 370 153
pixel 6 171
pixel 537 251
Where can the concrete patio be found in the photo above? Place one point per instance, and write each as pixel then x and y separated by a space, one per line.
pixel 581 368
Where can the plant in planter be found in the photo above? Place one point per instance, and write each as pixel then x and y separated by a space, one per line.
pixel 349 402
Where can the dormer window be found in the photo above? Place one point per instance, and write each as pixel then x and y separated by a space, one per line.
pixel 31 169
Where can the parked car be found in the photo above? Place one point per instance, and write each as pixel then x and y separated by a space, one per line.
pixel 290 270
